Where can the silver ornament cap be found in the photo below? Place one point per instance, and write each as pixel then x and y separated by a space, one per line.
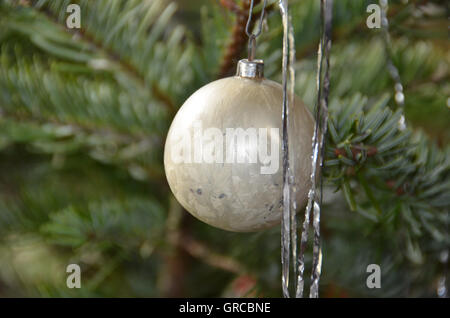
pixel 250 69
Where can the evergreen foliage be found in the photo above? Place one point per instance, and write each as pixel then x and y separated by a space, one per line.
pixel 83 119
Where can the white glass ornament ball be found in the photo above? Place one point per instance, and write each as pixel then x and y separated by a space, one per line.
pixel 223 153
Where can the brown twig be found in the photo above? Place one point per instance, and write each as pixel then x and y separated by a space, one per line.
pixel 356 150
pixel 199 250
pixel 231 5
pixel 238 37
pixel 183 247
pixel 399 190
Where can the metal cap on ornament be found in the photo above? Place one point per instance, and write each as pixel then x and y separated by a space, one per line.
pixel 250 69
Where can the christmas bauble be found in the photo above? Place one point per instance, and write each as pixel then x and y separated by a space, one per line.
pixel 223 155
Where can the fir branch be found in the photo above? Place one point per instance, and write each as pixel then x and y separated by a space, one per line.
pixel 113 57
pixel 371 151
pixel 126 62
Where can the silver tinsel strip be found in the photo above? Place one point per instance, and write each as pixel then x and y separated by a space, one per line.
pixel 318 146
pixel 289 222
pixel 286 218
pixel 323 86
pixel 292 177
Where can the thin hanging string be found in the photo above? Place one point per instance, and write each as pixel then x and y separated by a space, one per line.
pixel 252 36
pixel 393 71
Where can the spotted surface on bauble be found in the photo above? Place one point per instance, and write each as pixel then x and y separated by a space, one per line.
pixel 230 195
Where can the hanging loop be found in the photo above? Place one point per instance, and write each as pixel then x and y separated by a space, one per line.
pixel 252 36
pixel 251 47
